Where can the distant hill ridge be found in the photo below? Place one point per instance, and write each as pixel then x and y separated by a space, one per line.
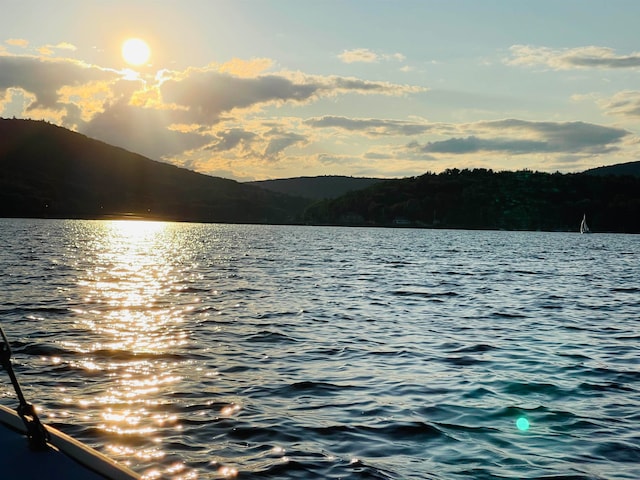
pixel 47 171
pixel 317 188
pixel 630 168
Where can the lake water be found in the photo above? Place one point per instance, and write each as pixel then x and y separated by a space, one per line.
pixel 222 351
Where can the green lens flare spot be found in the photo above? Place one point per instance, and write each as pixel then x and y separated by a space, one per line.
pixel 523 424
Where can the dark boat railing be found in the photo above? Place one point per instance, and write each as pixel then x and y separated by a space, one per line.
pixel 37 435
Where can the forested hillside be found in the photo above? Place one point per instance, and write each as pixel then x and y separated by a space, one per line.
pixel 48 171
pixel 483 199
pixel 629 168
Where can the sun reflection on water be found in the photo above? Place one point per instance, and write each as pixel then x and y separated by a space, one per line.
pixel 136 335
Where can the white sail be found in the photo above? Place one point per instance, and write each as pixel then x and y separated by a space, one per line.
pixel 584 228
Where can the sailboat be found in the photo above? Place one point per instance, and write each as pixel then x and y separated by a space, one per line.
pixel 584 228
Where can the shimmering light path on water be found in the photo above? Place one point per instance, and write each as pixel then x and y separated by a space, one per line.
pixel 220 351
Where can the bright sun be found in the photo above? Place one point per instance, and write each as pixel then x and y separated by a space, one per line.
pixel 135 51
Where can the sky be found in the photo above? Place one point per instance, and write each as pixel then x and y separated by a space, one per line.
pixel 263 89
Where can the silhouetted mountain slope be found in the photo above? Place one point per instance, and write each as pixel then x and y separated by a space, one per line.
pixel 48 171
pixel 317 188
pixel 482 199
pixel 630 168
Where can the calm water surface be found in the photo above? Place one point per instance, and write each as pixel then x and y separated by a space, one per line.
pixel 222 351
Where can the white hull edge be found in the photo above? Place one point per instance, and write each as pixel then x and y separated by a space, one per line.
pixel 86 462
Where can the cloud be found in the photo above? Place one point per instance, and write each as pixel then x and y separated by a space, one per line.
pixel 364 55
pixel 246 68
pixel 358 55
pixel 370 126
pixel 568 137
pixel 208 93
pixel 16 97
pixel 474 144
pixel 44 50
pixel 230 139
pixel 342 85
pixel 626 103
pixel 531 137
pixel 142 130
pixel 44 78
pixel 378 156
pixel 17 42
pixel 66 46
pixel 139 114
pixel 565 59
pixel 48 50
pixel 279 141
pixel 229 117
pixel 258 144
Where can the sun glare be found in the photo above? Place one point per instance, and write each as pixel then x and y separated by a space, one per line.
pixel 135 51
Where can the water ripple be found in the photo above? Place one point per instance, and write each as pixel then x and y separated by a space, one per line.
pixel 222 351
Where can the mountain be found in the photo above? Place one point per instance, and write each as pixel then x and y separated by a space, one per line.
pixel 630 168
pixel 483 199
pixel 317 188
pixel 48 171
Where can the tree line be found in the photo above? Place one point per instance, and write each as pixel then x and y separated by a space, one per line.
pixel 484 199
